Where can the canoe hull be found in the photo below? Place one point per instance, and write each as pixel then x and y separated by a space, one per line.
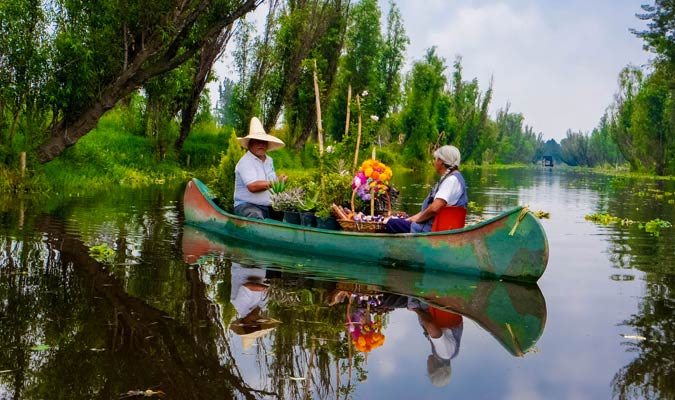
pixel 510 246
pixel 512 312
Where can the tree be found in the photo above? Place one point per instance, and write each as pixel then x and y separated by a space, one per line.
pixel 630 81
pixel 468 116
pixel 575 149
pixel 390 63
pixel 358 68
pixel 658 36
pixel 642 123
pixel 24 49
pixel 315 33
pixel 602 150
pixel 424 90
pixel 103 51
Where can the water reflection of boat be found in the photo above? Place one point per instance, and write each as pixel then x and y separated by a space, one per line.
pixel 511 245
pixel 514 313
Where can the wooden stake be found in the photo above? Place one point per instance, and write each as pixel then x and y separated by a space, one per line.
pixel 358 136
pixel 349 102
pixel 319 131
pixel 23 164
pixel 319 126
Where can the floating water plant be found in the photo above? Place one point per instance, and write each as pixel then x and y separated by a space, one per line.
pixel 541 214
pixel 654 226
pixel 101 252
pixel 607 219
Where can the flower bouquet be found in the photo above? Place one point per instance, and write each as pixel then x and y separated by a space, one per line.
pixel 365 330
pixel 370 181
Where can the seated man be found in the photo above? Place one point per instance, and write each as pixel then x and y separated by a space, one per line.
pixel 254 173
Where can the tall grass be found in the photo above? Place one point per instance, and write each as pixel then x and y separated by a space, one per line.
pixel 113 154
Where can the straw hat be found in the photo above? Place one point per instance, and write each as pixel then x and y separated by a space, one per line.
pixel 256 131
pixel 249 332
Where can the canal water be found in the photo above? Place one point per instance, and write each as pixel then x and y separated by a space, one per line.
pixel 108 295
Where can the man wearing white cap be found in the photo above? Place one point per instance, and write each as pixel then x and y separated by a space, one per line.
pixel 254 173
pixel 449 191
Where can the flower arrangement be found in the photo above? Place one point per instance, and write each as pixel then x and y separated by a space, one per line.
pixel 366 332
pixel 371 179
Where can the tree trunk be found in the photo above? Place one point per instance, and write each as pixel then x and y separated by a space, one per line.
pixel 210 52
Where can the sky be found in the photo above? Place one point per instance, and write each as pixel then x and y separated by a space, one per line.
pixel 554 61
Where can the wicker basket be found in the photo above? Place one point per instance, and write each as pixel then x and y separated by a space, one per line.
pixel 362 226
pixel 365 226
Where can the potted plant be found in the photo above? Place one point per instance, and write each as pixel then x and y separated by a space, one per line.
pixel 336 190
pixel 289 202
pixel 307 208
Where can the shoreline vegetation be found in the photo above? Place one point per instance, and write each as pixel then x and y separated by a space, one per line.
pixel 109 157
pixel 88 102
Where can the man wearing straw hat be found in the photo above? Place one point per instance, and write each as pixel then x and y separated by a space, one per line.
pixel 254 173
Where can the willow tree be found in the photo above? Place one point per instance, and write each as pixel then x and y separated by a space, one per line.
pixel 390 63
pixel 358 67
pixel 104 51
pixel 309 31
pixel 24 51
pixel 424 89
pixel 468 115
pixel 643 120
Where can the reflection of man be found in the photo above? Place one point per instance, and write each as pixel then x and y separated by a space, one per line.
pixel 248 296
pixel 444 331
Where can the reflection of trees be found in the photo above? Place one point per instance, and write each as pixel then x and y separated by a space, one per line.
pixel 78 307
pixel 650 374
pixel 106 341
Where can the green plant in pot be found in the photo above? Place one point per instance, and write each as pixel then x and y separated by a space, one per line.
pixel 337 190
pixel 289 202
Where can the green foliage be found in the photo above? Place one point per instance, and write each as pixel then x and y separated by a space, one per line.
pixel 395 41
pixel 110 156
pixel 423 91
pixel 221 179
pixel 575 149
pixel 515 143
pixel 102 252
pixel 654 226
pixel 278 186
pixel 202 148
pixel 642 124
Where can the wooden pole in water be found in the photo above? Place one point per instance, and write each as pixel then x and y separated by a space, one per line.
pixel 23 164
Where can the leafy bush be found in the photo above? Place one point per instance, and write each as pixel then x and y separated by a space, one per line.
pixel 221 180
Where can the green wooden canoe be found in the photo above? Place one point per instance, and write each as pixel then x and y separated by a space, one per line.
pixel 514 313
pixel 510 246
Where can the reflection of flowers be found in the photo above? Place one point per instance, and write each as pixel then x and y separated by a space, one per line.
pixel 372 176
pixel 366 332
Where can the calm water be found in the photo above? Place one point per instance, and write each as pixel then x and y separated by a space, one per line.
pixel 162 312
